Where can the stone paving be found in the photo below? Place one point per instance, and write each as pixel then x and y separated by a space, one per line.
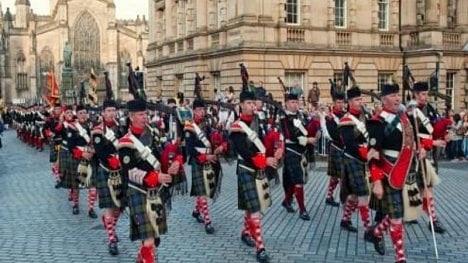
pixel 36 223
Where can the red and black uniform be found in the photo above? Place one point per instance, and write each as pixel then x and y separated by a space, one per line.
pixel 201 141
pixel 140 152
pixel 57 133
pixel 430 128
pixel 335 154
pixel 391 136
pixel 295 162
pixel 109 183
pixel 251 166
pixel 353 134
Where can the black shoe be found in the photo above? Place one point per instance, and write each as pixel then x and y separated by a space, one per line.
pixel 369 235
pixel 57 184
pixel 248 240
pixel 113 250
pixel 41 149
pixel 401 261
pixel 348 226
pixel 331 201
pixel 304 216
pixel 412 222
pixel 92 214
pixel 379 244
pixel 438 227
pixel 197 216
pixel 76 210
pixel 209 229
pixel 288 207
pixel 262 256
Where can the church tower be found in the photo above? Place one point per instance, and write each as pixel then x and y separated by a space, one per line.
pixel 22 13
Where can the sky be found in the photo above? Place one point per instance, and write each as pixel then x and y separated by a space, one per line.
pixel 125 9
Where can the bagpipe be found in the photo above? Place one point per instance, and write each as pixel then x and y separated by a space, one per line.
pixel 133 87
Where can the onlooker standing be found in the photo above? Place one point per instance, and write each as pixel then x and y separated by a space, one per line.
pixel 230 95
pixel 454 149
pixel 465 136
pixel 314 95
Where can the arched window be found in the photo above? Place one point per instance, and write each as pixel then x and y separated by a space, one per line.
pixel 86 44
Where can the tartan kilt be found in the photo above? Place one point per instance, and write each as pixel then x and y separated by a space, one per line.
pixel 293 172
pixel 198 184
pixel 68 166
pixel 391 203
pixel 247 191
pixel 354 180
pixel 335 163
pixel 105 199
pixel 140 225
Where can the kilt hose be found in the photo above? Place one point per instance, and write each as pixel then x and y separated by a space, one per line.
pixel 104 195
pixel 391 203
pixel 335 162
pixel 68 167
pixel 354 181
pixel 248 199
pixel 140 225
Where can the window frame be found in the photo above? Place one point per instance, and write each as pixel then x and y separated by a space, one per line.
pixel 288 81
pixel 450 85
pixel 297 14
pixel 385 75
pixel 386 3
pixel 344 13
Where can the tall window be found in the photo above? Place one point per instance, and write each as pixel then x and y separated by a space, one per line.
pixel 217 84
pixel 292 11
pixel 383 14
pixel 449 90
pixel 179 83
pixel 340 13
pixel 21 75
pixel 86 46
pixel 384 78
pixel 295 81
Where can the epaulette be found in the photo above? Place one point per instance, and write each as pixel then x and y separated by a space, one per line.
pixel 97 130
pixel 125 142
pixel 346 121
pixel 235 127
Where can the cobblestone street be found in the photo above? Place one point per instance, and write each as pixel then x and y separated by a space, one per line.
pixel 37 225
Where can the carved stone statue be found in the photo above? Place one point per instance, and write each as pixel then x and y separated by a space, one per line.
pixel 67 55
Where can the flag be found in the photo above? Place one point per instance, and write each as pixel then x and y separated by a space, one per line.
pixel 52 87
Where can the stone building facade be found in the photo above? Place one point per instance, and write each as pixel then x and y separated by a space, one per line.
pixel 306 41
pixel 30 45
